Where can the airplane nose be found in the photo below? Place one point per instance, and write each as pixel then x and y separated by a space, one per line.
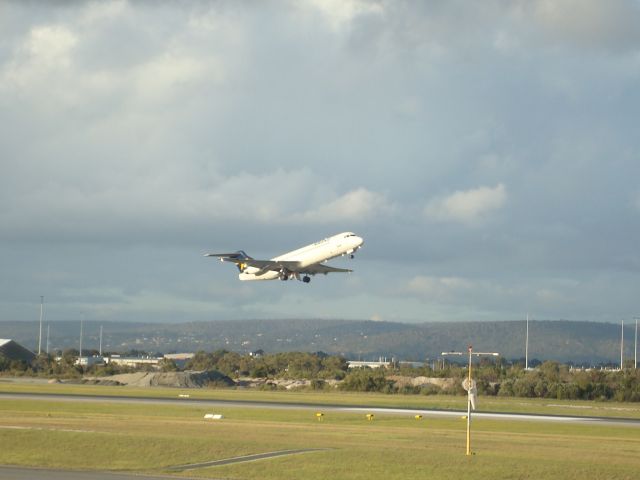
pixel 359 241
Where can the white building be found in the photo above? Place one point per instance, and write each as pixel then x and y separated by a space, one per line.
pixel 134 361
pixel 89 361
pixel 359 364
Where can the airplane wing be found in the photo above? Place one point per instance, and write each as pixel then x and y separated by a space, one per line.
pixel 320 268
pixel 268 265
pixel 265 266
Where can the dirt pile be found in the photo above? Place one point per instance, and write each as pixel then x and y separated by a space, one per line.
pixel 189 379
pixel 443 383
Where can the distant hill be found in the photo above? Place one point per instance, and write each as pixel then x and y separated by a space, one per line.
pixel 565 341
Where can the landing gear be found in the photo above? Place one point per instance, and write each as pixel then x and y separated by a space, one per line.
pixel 352 256
pixel 284 275
pixel 306 279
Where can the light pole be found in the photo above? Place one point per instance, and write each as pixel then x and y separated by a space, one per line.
pixel 81 334
pixel 470 386
pixel 526 347
pixel 40 334
pixel 622 346
pixel 635 347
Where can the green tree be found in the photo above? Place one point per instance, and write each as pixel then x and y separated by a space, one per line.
pixel 550 371
pixel 367 380
pixel 168 365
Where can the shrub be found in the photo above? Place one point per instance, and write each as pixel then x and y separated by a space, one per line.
pixel 430 390
pixel 318 384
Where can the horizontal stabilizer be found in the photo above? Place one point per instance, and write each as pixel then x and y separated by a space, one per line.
pixel 238 256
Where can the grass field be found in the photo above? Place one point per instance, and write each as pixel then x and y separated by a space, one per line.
pixel 152 438
pixel 440 402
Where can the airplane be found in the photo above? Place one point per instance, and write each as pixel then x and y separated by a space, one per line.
pixel 304 261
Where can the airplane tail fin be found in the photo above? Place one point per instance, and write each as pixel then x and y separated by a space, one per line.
pixel 241 255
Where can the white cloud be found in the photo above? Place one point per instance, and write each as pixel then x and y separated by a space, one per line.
pixel 178 193
pixel 469 206
pixel 480 296
pixel 356 205
pixel 51 44
pixel 505 43
pixel 636 201
pixel 440 289
pixel 269 198
pixel 84 62
pixel 341 12
pixel 96 13
pixel 591 23
pixel 550 298
pixel 46 51
pixel 171 73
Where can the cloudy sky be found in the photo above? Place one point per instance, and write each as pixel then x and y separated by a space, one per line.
pixel 488 152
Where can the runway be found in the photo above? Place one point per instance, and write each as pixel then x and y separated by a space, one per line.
pixel 630 422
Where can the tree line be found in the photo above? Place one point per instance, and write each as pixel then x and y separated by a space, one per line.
pixel 288 365
pixel 550 379
pixel 59 365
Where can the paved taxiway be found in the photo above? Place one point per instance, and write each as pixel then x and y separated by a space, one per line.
pixel 245 458
pixel 22 473
pixel 632 422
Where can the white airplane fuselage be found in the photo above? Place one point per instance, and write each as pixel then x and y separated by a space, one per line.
pixel 342 244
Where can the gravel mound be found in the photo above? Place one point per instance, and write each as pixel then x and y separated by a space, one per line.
pixel 189 379
pixel 402 381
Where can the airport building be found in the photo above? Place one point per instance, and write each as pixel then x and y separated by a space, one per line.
pixel 134 361
pixel 363 364
pixel 89 361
